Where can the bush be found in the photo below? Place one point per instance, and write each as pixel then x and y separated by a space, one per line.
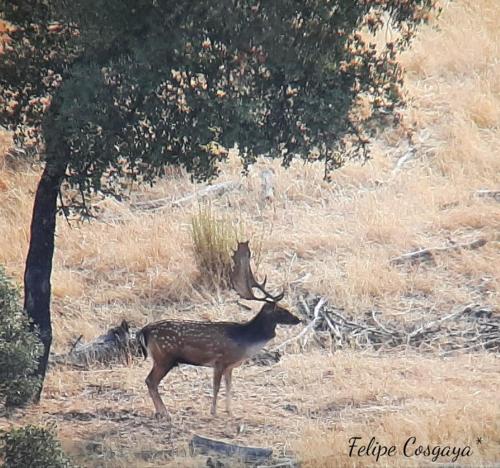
pixel 214 240
pixel 32 447
pixel 19 348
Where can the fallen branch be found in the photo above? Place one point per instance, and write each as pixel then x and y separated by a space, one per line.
pixel 382 327
pixel 161 203
pixel 467 328
pixel 114 346
pixel 265 358
pixel 206 446
pixel 430 325
pixel 485 345
pixel 267 189
pixel 334 328
pixel 488 194
pixel 410 154
pixel 428 254
pixel 75 344
pixel 282 463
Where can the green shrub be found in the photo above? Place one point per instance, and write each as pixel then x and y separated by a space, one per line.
pixel 32 447
pixel 19 348
pixel 214 239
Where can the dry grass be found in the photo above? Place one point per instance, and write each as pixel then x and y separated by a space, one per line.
pixel 306 406
pixel 214 239
pixel 332 239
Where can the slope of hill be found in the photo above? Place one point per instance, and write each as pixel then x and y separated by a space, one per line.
pixel 333 240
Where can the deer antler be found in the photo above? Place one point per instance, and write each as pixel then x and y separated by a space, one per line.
pixel 243 280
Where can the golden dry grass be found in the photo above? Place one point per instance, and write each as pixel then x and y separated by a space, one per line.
pixel 214 239
pixel 332 239
pixel 306 406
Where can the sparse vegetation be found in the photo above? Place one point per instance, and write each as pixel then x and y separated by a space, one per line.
pixel 214 239
pixel 19 348
pixel 32 447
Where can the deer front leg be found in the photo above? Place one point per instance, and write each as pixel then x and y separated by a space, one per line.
pixel 228 378
pixel 217 378
pixel 152 381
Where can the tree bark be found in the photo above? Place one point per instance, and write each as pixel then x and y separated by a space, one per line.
pixel 37 287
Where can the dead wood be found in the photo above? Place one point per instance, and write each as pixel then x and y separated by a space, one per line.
pixel 116 345
pixel 267 186
pixel 266 358
pixel 282 463
pixel 466 328
pixel 410 154
pixel 205 446
pixel 469 328
pixel 211 190
pixel 428 254
pixel 495 194
pixel 75 344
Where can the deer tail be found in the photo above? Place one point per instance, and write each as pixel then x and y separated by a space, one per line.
pixel 142 340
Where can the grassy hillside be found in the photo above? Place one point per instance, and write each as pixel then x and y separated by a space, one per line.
pixel 334 240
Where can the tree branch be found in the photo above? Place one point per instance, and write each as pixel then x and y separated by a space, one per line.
pixel 428 254
pixel 162 203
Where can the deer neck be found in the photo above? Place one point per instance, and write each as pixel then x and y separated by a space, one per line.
pixel 260 329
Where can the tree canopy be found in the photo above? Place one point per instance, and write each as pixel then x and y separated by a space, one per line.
pixel 133 86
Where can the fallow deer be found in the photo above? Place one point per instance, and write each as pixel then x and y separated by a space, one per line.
pixel 221 345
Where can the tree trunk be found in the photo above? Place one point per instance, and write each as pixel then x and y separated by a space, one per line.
pixel 38 270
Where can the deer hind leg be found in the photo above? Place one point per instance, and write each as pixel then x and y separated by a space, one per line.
pixel 218 371
pixel 152 380
pixel 228 379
